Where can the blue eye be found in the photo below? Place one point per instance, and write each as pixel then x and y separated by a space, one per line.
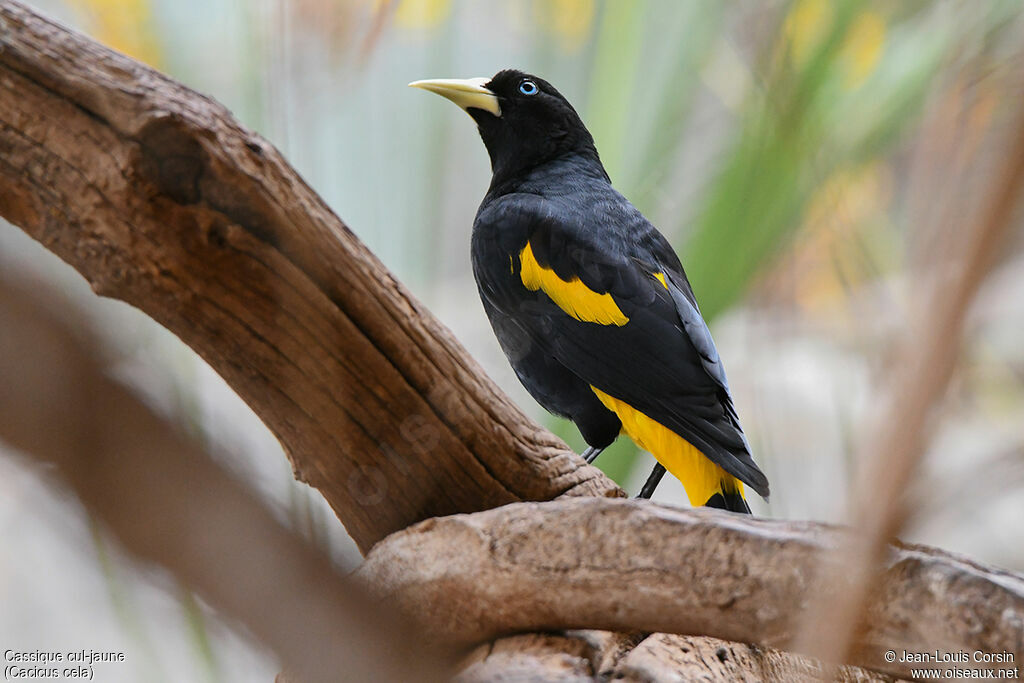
pixel 528 88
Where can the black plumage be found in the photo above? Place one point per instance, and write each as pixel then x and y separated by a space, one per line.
pixel 621 316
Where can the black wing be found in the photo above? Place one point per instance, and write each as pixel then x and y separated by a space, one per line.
pixel 662 360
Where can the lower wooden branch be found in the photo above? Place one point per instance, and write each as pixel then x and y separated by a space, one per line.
pixel 635 566
pixel 604 656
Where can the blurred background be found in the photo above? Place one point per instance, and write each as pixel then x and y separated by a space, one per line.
pixel 810 160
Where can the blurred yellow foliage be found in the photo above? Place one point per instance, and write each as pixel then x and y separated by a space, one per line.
pixel 846 198
pixel 808 24
pixel 125 25
pixel 570 20
pixel 420 13
pixel 805 27
pixel 862 47
pixel 824 263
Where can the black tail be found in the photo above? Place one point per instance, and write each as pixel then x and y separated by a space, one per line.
pixel 732 501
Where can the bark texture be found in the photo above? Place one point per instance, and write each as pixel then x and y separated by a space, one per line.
pixel 599 655
pixel 160 198
pixel 635 566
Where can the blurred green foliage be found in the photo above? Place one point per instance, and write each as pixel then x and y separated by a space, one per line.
pixel 830 89
pixel 825 92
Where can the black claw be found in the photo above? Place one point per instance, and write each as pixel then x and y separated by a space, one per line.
pixel 652 482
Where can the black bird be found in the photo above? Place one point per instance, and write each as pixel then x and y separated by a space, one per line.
pixel 589 301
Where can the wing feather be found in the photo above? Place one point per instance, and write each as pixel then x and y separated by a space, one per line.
pixel 662 360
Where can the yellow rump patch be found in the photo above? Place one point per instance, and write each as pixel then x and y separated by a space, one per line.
pixel 572 296
pixel 701 477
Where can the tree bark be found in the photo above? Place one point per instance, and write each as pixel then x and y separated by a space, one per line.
pixel 161 199
pixel 635 566
pixel 598 655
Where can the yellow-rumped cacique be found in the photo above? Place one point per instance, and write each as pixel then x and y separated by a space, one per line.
pixel 588 300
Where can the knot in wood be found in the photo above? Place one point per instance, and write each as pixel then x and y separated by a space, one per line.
pixel 172 158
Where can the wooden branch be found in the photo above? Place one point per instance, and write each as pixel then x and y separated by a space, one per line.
pixel 598 655
pixel 636 566
pixel 662 657
pixel 160 198
pixel 167 502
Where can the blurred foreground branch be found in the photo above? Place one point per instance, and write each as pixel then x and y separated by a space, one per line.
pixel 943 292
pixel 167 502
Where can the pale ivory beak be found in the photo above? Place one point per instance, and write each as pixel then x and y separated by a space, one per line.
pixel 466 93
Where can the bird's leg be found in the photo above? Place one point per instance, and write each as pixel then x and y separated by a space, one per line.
pixel 590 455
pixel 652 481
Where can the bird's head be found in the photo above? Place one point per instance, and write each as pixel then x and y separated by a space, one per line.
pixel 523 120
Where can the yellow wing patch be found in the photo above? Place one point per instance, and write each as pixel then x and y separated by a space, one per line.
pixel 701 477
pixel 660 277
pixel 572 296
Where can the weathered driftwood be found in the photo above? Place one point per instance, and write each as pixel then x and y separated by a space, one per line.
pixel 635 566
pixel 599 655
